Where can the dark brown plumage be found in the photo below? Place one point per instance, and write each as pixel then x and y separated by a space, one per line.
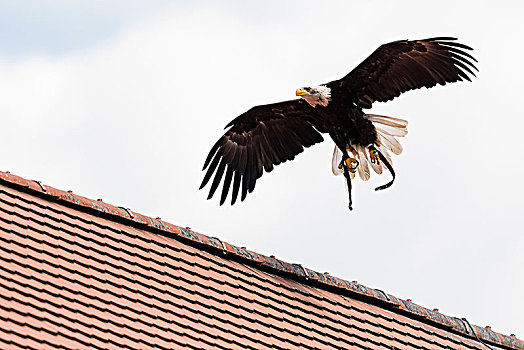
pixel 260 138
pixel 405 65
pixel 268 135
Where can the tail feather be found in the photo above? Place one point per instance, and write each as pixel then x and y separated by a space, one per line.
pixel 387 129
pixel 381 119
pixel 388 141
pixel 392 131
pixel 384 151
pixel 363 168
pixel 335 162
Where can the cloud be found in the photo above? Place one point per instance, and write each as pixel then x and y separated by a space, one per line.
pixel 132 117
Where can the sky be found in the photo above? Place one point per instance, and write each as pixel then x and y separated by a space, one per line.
pixel 122 100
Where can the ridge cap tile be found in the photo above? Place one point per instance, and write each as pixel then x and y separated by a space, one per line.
pixel 294 271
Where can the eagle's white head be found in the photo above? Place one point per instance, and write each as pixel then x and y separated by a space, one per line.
pixel 315 95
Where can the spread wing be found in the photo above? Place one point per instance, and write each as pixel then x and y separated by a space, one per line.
pixel 405 65
pixel 260 138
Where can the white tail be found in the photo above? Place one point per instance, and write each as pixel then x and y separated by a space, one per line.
pixel 388 128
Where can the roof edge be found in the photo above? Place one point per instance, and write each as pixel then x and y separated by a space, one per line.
pixel 297 271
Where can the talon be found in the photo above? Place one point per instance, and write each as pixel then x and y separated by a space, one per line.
pixel 373 154
pixel 351 164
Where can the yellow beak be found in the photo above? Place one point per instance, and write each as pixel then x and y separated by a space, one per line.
pixel 302 92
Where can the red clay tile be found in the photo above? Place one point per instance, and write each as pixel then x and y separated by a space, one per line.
pixel 89 274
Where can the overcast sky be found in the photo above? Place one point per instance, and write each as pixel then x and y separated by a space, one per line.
pixel 121 100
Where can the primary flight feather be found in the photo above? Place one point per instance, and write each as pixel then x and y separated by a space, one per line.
pixel 268 135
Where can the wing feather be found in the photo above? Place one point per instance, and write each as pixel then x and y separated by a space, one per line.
pixel 210 171
pixel 258 140
pixel 227 183
pixel 218 176
pixel 236 187
pixel 213 151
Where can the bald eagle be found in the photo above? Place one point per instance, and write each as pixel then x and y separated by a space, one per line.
pixel 268 135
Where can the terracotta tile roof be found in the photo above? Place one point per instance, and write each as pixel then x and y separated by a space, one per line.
pixel 79 273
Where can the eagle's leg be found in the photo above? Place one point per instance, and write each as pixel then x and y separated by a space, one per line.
pixel 373 155
pixel 350 163
pixel 347 160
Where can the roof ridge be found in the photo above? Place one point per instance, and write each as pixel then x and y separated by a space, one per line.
pixel 296 271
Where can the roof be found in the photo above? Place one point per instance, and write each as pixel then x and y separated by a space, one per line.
pixel 80 273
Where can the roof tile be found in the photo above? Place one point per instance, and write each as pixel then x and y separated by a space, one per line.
pixel 76 273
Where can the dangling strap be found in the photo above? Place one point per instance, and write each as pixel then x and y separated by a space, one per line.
pixel 390 168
